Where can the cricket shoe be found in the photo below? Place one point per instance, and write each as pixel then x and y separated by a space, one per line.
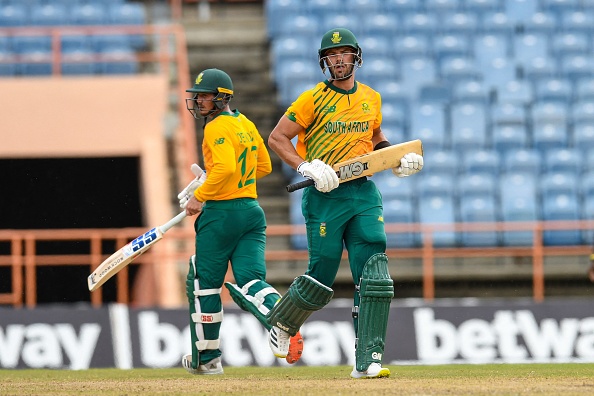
pixel 295 348
pixel 375 370
pixel 210 368
pixel 279 341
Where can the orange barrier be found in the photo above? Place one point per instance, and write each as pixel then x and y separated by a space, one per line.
pixel 23 259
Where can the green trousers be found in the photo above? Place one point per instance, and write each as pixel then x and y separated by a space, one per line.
pixel 349 216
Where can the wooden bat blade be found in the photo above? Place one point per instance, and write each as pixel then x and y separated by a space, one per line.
pixel 369 163
pixel 114 263
pixel 120 259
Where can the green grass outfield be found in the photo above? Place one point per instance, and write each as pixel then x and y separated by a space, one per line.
pixel 494 379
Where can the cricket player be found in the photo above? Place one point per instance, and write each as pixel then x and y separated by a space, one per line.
pixel 231 226
pixel 338 119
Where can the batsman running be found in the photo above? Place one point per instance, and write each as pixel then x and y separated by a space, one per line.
pixel 231 227
pixel 338 119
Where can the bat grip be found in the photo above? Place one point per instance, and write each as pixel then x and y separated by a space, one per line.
pixel 299 185
pixel 173 221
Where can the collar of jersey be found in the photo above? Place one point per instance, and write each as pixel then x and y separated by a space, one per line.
pixel 234 113
pixel 342 91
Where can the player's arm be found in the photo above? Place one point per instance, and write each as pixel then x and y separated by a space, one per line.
pixel 380 139
pixel 264 166
pixel 280 141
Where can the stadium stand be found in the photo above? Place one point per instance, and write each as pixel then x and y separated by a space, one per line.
pixel 505 79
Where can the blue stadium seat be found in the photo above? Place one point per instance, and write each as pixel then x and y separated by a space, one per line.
pixel 275 10
pixel 519 209
pixel 508 113
pixel 515 91
pixel 558 183
pixel 518 198
pixel 563 159
pixel 439 210
pixel 468 125
pixel 471 91
pixel 587 183
pixel 7 68
pixel 583 136
pixel 588 164
pixel 498 22
pixel 498 72
pixel 436 93
pixel 441 163
pixel 584 89
pixel 459 69
pixel 49 15
pixel 377 68
pixel 587 213
pixel 561 207
pixel 403 7
pixel 416 72
pixel 479 209
pixel 392 91
pixel 576 67
pixel 580 21
pixel 507 137
pixel 583 112
pixel 322 7
pixel 374 46
pixel 450 44
pixel 393 187
pixel 476 184
pixel 401 211
pixel 553 89
pixel 540 68
pixel 304 25
pixel 569 43
pixel 78 62
pixel 361 7
pixel 88 14
pixel 393 114
pixel 459 22
pixel 334 20
pixel 291 46
pixel 522 160
pixel 549 113
pixel 549 135
pixel 420 22
pixel 519 11
pixel 541 22
pixel 13 15
pixel 294 73
pixel 118 61
pixel 482 7
pixel 385 23
pixel 489 46
pixel 79 41
pixel 127 13
pixel 111 42
pixel 528 46
pixel 427 121
pixel 481 161
pixel 430 185
pixel 36 63
pixel 27 44
pixel 443 6
pixel 411 45
pixel 558 6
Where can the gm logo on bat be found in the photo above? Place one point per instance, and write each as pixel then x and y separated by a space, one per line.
pixel 349 171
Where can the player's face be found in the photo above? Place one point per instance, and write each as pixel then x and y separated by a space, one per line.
pixel 201 105
pixel 340 62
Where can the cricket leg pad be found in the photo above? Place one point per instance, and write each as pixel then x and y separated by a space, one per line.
pixel 305 296
pixel 251 302
pixel 376 290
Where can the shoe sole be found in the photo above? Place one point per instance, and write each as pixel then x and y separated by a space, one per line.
pixel 295 349
pixel 384 373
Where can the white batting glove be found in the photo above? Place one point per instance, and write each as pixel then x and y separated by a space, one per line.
pixel 323 175
pixel 410 164
pixel 188 192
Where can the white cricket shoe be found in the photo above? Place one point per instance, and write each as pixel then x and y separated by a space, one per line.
pixel 375 370
pixel 279 341
pixel 210 368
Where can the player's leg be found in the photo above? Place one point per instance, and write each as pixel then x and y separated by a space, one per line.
pixel 312 291
pixel 365 240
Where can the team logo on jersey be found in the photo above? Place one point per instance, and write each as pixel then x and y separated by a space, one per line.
pixel 219 141
pixel 380 219
pixel 336 38
pixel 329 109
pixel 322 230
pixel 199 78
pixel 365 107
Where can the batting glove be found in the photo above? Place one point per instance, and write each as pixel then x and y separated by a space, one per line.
pixel 188 192
pixel 323 175
pixel 410 164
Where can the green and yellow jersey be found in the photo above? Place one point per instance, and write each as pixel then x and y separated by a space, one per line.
pixel 337 124
pixel 234 157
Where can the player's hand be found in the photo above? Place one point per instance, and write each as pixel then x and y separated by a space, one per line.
pixel 188 192
pixel 410 164
pixel 193 206
pixel 323 175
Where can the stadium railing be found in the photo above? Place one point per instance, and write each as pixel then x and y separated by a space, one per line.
pixel 24 260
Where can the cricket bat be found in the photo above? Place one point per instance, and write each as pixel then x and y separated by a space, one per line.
pixel 368 164
pixel 117 261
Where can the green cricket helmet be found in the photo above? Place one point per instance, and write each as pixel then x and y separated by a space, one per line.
pixel 211 81
pixel 339 37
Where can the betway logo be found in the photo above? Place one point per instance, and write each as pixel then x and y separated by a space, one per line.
pixel 352 170
pixel 512 336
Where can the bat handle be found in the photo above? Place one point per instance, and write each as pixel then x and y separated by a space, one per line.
pixel 173 221
pixel 299 185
